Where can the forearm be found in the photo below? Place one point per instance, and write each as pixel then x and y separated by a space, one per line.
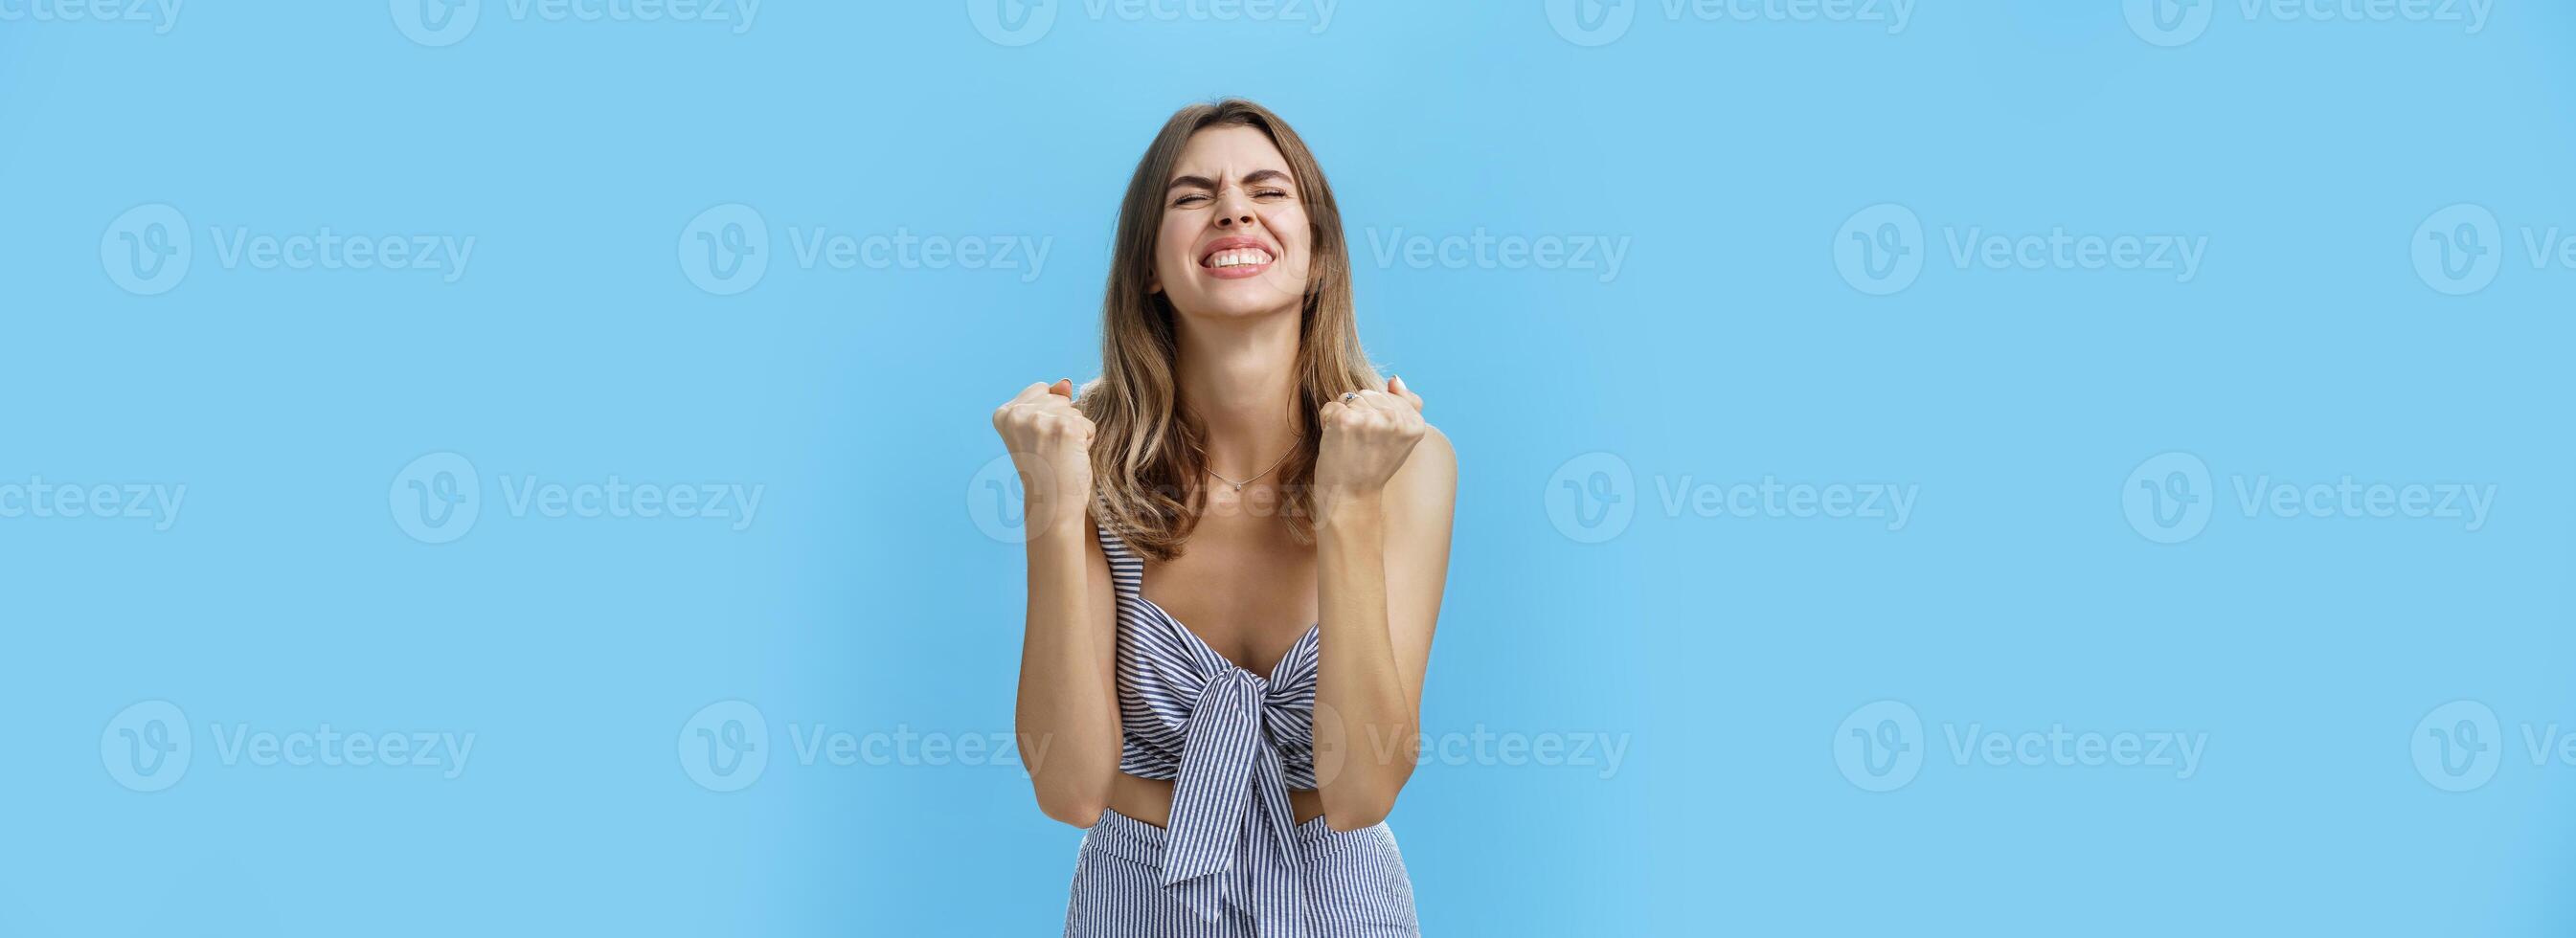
pixel 1366 721
pixel 1067 713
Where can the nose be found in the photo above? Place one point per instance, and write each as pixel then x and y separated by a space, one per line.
pixel 1233 210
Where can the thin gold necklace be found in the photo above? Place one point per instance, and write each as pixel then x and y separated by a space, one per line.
pixel 1238 486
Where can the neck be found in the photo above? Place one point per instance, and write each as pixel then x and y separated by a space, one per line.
pixel 1239 376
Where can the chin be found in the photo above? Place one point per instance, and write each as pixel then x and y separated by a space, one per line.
pixel 1233 301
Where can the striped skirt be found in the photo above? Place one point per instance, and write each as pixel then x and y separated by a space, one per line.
pixel 1353 880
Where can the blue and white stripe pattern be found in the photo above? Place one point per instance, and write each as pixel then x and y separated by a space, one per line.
pixel 1352 885
pixel 1233 744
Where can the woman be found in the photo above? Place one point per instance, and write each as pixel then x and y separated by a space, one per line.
pixel 1236 417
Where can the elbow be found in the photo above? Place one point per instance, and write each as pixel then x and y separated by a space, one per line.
pixel 1080 809
pixel 1079 812
pixel 1349 808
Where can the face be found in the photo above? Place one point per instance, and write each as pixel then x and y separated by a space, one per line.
pixel 1235 239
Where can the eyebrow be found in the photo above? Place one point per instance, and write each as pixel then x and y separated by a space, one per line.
pixel 1202 182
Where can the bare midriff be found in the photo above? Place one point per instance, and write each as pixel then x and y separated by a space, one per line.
pixel 1150 800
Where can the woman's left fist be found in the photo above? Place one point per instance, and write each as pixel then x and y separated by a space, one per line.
pixel 1366 437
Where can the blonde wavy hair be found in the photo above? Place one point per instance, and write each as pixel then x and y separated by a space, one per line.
pixel 1148 454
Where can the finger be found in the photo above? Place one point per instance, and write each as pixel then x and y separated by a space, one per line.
pixel 1397 387
pixel 1331 413
pixel 1384 403
pixel 1062 388
pixel 1030 394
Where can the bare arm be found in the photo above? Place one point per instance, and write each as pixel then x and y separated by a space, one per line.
pixel 1383 556
pixel 1068 706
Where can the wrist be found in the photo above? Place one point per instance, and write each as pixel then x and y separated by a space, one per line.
pixel 1341 509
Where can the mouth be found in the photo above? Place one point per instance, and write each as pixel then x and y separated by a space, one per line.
pixel 1231 258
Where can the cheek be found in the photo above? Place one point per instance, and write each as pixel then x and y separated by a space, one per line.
pixel 1295 236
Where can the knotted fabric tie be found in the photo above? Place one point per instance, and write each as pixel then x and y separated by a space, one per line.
pixel 1230 807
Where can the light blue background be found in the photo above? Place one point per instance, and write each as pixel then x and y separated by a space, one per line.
pixel 1724 652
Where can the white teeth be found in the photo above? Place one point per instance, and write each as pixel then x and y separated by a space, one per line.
pixel 1239 258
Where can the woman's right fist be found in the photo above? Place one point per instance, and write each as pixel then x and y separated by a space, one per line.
pixel 1050 445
